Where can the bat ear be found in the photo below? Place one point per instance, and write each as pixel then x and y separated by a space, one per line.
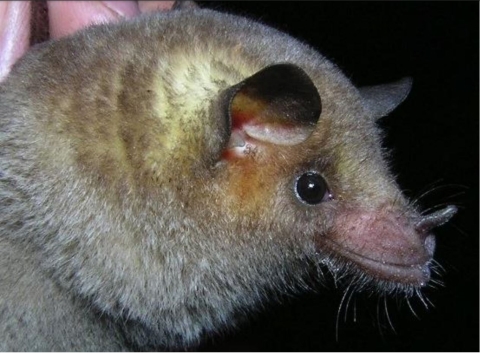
pixel 382 99
pixel 279 104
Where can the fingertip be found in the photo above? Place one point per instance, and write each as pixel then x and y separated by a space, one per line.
pixel 150 6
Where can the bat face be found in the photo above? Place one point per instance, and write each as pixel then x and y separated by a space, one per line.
pixel 175 181
pixel 332 172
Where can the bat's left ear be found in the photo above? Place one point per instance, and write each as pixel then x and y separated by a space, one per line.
pixel 279 105
pixel 380 100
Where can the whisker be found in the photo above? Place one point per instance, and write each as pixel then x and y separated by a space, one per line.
pixel 347 303
pixel 355 310
pixel 434 284
pixel 436 266
pixel 411 308
pixel 422 299
pixel 339 311
pixel 379 324
pixel 439 187
pixel 447 199
pixel 429 302
pixel 439 206
pixel 386 313
pixel 429 188
pixel 462 193
pixel 462 232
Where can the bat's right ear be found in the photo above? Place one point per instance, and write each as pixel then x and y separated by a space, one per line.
pixel 380 100
pixel 184 5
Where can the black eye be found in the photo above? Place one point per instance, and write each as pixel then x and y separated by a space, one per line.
pixel 311 188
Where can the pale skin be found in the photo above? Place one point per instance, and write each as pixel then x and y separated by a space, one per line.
pixel 65 17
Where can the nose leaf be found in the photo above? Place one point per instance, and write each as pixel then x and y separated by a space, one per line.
pixel 435 219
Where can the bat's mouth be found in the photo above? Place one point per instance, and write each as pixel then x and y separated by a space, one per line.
pixel 416 273
pixel 386 244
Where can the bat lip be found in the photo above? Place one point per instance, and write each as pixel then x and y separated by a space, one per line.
pixel 415 273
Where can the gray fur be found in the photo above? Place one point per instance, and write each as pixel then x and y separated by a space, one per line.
pixel 121 227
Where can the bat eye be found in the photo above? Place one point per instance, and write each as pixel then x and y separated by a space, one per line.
pixel 311 188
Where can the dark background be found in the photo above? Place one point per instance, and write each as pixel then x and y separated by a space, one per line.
pixel 434 139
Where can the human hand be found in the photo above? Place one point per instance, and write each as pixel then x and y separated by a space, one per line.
pixel 64 17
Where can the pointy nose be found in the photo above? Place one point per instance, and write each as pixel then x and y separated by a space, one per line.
pixel 435 219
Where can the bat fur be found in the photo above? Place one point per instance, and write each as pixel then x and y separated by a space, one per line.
pixel 138 212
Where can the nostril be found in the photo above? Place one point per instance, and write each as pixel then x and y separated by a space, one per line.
pixel 436 219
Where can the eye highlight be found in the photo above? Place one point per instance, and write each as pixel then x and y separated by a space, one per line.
pixel 311 188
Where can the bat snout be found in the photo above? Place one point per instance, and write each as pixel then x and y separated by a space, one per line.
pixel 386 243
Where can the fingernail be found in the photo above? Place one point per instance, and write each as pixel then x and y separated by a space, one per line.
pixel 122 9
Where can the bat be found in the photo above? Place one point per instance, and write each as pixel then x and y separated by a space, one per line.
pixel 157 182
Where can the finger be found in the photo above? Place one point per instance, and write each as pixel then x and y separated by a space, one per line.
pixel 14 33
pixel 67 17
pixel 149 6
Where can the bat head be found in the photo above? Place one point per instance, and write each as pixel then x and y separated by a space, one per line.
pixel 324 172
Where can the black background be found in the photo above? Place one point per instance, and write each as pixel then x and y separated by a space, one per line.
pixel 433 136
